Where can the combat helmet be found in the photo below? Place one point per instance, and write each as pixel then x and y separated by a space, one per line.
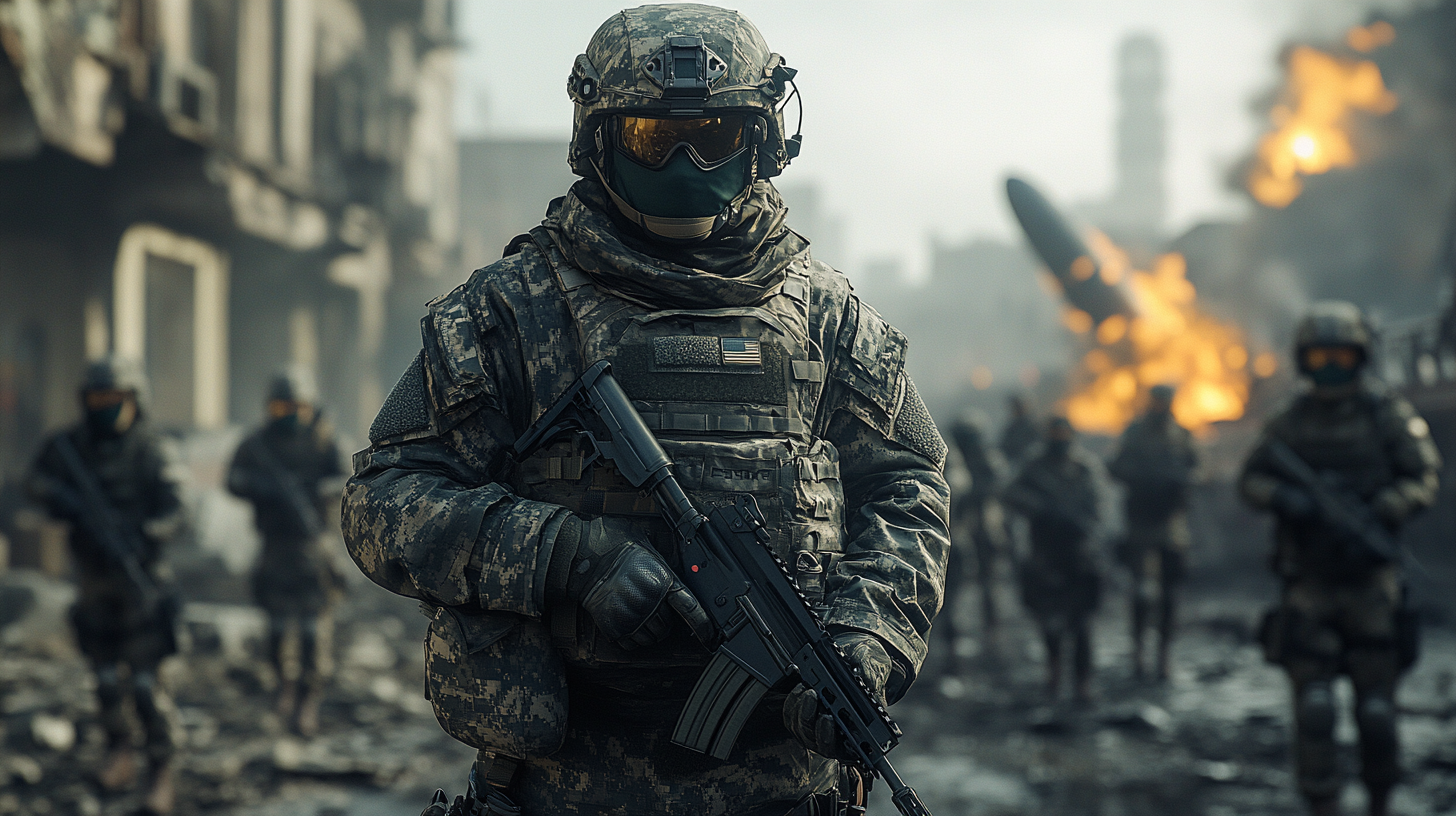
pixel 1323 342
pixel 115 373
pixel 686 62
pixel 1333 323
pixel 293 383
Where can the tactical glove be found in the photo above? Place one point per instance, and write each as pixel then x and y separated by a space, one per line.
pixel 623 584
pixel 1391 506
pixel 810 722
pixel 1293 503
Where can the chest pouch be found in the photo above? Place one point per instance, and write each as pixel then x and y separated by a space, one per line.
pixel 496 682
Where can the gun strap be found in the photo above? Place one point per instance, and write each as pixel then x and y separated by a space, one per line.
pixel 286 480
pixel 87 484
pixel 496 770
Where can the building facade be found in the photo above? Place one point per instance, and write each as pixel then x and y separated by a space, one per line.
pixel 218 188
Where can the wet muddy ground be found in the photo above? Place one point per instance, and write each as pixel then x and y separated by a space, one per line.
pixel 982 740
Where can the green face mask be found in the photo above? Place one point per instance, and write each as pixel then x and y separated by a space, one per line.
pixel 679 189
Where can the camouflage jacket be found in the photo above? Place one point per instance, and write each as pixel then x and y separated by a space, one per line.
pixel 1155 459
pixel 309 453
pixel 1371 446
pixel 133 473
pixel 1059 495
pixel 799 398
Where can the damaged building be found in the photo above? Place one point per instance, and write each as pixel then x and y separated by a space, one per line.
pixel 218 188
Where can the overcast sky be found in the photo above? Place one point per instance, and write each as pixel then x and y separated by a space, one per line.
pixel 916 110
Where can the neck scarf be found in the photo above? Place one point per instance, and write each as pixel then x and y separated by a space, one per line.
pixel 742 265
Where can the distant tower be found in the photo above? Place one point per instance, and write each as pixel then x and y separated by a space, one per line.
pixel 1138 202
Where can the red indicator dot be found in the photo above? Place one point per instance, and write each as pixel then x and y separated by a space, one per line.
pixel 695 568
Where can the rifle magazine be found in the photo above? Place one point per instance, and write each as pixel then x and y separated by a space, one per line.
pixel 722 700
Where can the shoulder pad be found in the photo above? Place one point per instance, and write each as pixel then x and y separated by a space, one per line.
pixel 872 360
pixel 406 412
pixel 452 330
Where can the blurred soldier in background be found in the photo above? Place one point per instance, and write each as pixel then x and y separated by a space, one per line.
pixel 1342 468
pixel 976 515
pixel 1020 436
pixel 288 468
pixel 1058 493
pixel 108 477
pixel 1155 460
pixel 760 372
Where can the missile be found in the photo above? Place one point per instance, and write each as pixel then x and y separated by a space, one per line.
pixel 1065 254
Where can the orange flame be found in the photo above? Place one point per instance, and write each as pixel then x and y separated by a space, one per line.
pixel 1310 119
pixel 1170 341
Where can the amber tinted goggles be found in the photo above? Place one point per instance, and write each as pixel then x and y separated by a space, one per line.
pixel 710 141
pixel 1346 357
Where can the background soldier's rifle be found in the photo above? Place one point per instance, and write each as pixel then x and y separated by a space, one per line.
pixel 1051 500
pixel 766 634
pixel 1363 536
pixel 121 542
pixel 298 501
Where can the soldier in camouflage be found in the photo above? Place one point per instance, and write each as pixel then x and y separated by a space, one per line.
pixel 1342 608
pixel 123 633
pixel 1020 437
pixel 1057 491
pixel 288 469
pixel 554 647
pixel 1155 461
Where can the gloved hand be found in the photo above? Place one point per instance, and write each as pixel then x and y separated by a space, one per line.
pixel 1293 503
pixel 623 584
pixel 810 722
pixel 1390 506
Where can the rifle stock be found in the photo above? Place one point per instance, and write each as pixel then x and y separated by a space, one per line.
pixel 766 634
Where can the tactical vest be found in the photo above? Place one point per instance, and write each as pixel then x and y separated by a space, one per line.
pixel 732 395
pixel 1348 443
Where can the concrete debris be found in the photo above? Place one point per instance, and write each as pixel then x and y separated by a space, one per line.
pixel 982 739
pixel 55 733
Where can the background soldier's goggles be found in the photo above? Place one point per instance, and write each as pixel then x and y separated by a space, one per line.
pixel 710 141
pixel 101 399
pixel 1316 357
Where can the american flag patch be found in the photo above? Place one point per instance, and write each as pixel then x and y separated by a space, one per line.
pixel 741 351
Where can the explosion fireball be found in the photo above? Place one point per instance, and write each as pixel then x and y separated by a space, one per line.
pixel 1169 340
pixel 1311 119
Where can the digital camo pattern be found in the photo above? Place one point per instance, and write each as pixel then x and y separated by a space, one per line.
pixel 1375 447
pixel 496 682
pixel 448 518
pixel 615 64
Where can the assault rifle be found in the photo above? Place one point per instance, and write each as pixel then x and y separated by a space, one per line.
pixel 119 541
pixel 1355 526
pixel 305 513
pixel 766 634
pixel 1051 500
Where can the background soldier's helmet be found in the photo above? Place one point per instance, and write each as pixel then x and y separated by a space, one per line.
pixel 293 384
pixel 679 60
pixel 115 373
pixel 1333 323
